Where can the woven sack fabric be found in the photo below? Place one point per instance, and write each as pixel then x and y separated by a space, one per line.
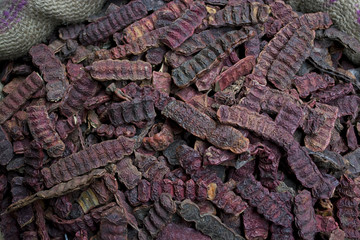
pixel 24 23
pixel 344 13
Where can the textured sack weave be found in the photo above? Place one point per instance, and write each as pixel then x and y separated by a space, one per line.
pixel 344 13
pixel 24 23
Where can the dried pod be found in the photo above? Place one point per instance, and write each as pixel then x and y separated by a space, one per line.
pixel 254 225
pixel 150 167
pixel 139 45
pixel 52 70
pixel 174 231
pixel 333 93
pixel 312 82
pixel 204 127
pixel 347 105
pixel 82 88
pixel 184 27
pixel 160 137
pixel 215 156
pixel 113 224
pixel 6 149
pixel 354 165
pixel 209 57
pixel 17 98
pixel 128 173
pixel 137 110
pixel 207 223
pixel 305 215
pixel 19 192
pixel 113 22
pixel 321 139
pixel 347 214
pixel 175 60
pixel 162 82
pixel 238 15
pixel 290 117
pixel 40 220
pixel 282 11
pixel 147 24
pixel 326 224
pixel 155 55
pixel 229 76
pixel 43 130
pixel 200 41
pixel 104 70
pixel 71 31
pixel 78 163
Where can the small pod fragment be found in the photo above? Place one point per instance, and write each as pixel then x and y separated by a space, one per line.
pixel 6 149
pixel 305 215
pixel 312 82
pixel 43 130
pixel 95 156
pixel 17 98
pixel 113 22
pixel 137 110
pixel 113 224
pixel 104 70
pixel 52 70
pixel 255 226
pixel 183 27
pixel 209 57
pixel 127 173
pixel 160 137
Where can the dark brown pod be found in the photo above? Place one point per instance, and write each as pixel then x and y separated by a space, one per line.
pixel 113 22
pixel 17 98
pixel 43 130
pixel 137 110
pixel 209 57
pixel 104 70
pixel 238 15
pixel 78 163
pixel 52 70
pixel 183 27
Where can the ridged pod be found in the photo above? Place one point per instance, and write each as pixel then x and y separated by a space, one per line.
pixel 113 22
pixel 105 70
pixel 43 130
pixel 209 57
pixel 17 98
pixel 98 155
pixel 305 215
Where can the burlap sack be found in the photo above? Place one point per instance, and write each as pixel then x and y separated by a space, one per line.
pixel 24 23
pixel 344 13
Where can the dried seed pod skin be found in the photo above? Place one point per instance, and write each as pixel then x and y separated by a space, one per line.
pixel 6 149
pixel 208 224
pixel 347 105
pixel 182 28
pixel 333 93
pixel 81 89
pixel 98 155
pixel 147 24
pixel 312 82
pixel 254 225
pixel 305 215
pixel 137 110
pixel 17 98
pixel 209 57
pixel 174 231
pixel 104 70
pixel 71 31
pixel 238 15
pixel 160 139
pixel 52 70
pixel 113 224
pixel 319 141
pixel 113 22
pixel 43 130
pixel 128 174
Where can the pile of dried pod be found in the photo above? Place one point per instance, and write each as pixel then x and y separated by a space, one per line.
pixel 183 119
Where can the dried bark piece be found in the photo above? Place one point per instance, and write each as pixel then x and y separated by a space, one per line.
pixel 160 137
pixel 312 82
pixel 174 231
pixel 104 70
pixel 209 57
pixel 139 45
pixel 58 190
pixel 204 127
pixel 128 174
pixel 207 223
pixel 184 27
pixel 321 139
pixel 95 156
pixel 137 110
pixel 113 22
pixel 6 148
pixel 52 70
pixel 113 224
pixel 17 98
pixel 200 41
pixel 305 215
pixel 81 89
pixel 147 24
pixel 229 76
pixel 254 225
pixel 239 15
pixel 42 130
